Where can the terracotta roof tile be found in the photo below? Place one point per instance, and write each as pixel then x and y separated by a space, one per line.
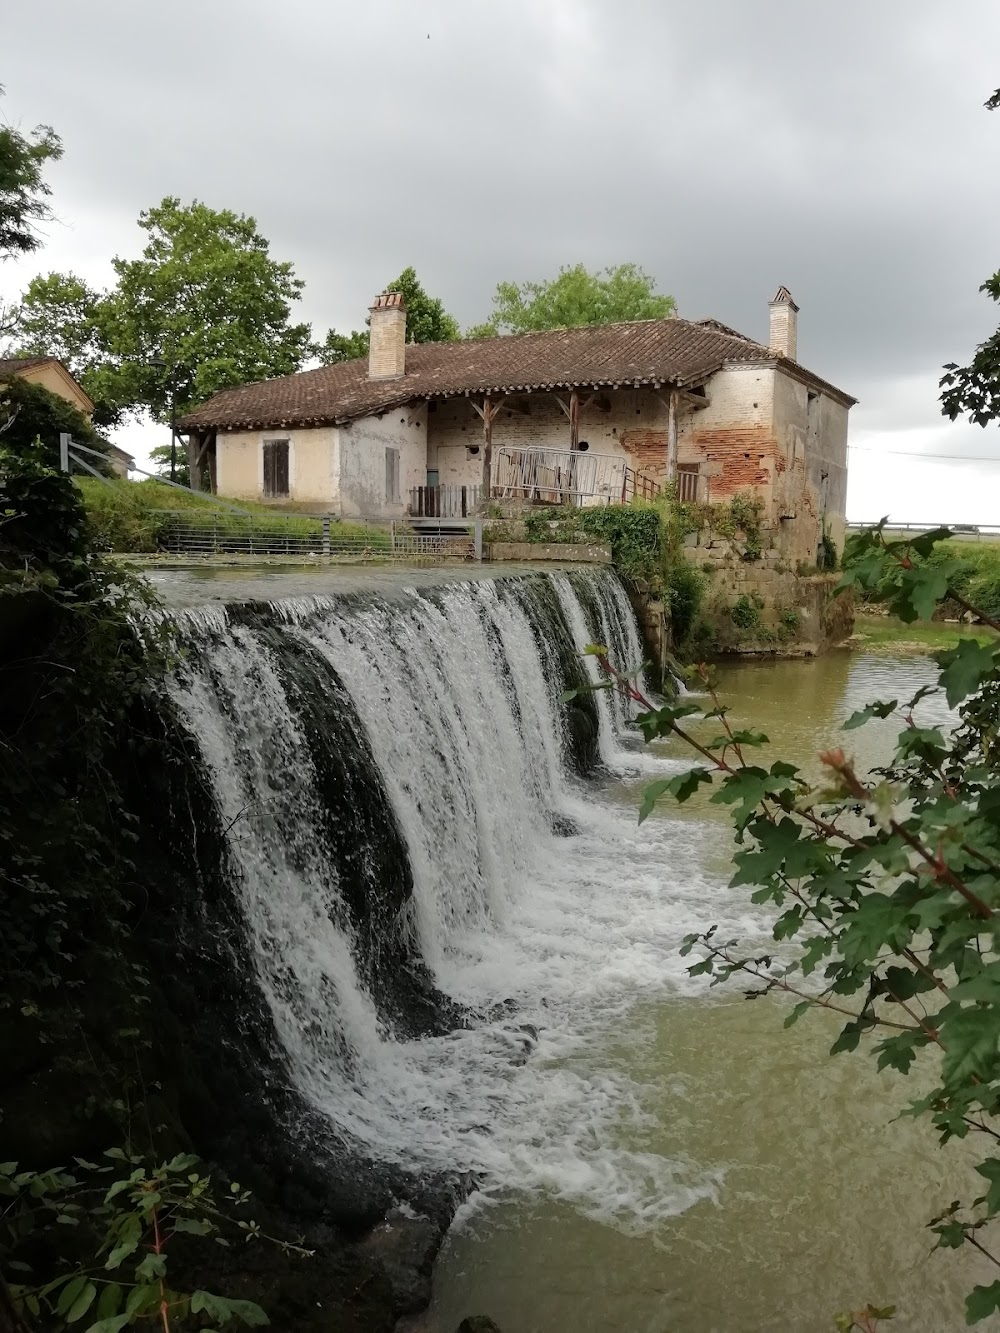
pixel 11 365
pixel 656 351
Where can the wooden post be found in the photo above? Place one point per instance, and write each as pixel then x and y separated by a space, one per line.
pixel 672 437
pixel 488 413
pixel 574 420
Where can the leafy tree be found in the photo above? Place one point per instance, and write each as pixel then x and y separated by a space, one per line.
pixel 29 412
pixel 206 297
pixel 59 316
pixel 427 321
pixel 24 193
pixel 974 390
pixel 885 886
pixel 575 297
pixel 160 456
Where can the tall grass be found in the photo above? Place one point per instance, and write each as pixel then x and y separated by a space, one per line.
pixel 134 516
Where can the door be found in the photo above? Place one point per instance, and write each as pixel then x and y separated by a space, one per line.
pixel 275 469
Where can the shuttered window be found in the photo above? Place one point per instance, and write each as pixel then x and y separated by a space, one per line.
pixel 275 468
pixel 392 475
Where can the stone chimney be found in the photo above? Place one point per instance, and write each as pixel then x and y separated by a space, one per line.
pixel 784 324
pixel 387 343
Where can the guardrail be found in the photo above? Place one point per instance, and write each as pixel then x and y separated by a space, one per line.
pixel 970 532
pixel 309 536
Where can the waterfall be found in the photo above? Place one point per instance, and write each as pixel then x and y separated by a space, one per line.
pixel 440 904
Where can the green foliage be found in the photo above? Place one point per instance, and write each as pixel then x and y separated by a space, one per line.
pixel 576 296
pixel 745 613
pixel 789 620
pixel 205 296
pixel 829 557
pixel 75 658
pixel 129 1209
pixel 30 413
pixel 685 590
pixel 885 886
pixel 427 321
pixel 739 521
pixel 160 458
pixel 24 192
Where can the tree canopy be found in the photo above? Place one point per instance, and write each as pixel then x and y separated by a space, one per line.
pixel 576 296
pixel 206 297
pixel 427 321
pixel 974 390
pixel 24 192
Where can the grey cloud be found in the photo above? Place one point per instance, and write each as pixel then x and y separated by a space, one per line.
pixel 840 148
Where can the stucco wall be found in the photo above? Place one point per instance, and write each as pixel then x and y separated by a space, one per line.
pixel 312 473
pixel 812 430
pixel 59 382
pixel 362 447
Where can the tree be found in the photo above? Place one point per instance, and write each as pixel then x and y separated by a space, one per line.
pixel 575 297
pixel 29 412
pixel 427 321
pixel 974 390
pixel 205 297
pixel 160 457
pixel 24 192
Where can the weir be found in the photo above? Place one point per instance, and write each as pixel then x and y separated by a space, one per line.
pixel 423 876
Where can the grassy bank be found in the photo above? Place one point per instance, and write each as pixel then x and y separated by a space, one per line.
pixel 975 574
pixel 127 516
pixel 885 633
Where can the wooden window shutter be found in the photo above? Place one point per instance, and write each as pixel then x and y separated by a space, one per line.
pixel 275 469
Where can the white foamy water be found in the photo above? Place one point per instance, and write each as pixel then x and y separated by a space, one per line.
pixel 457 695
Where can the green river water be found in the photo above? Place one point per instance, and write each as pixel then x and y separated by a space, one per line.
pixel 822 1198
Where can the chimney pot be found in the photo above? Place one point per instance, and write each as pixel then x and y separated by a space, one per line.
pixel 387 337
pixel 784 331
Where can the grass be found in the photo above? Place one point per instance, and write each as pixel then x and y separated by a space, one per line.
pixel 875 633
pixel 134 516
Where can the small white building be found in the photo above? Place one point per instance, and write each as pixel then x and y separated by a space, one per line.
pixel 590 414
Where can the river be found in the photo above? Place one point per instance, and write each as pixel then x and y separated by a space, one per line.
pixel 816 1198
pixel 649 1155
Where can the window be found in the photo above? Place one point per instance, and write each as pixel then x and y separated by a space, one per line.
pixel 392 476
pixel 275 469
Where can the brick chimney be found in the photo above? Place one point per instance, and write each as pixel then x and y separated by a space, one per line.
pixel 784 324
pixel 387 343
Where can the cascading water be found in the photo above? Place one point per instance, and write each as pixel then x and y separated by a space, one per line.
pixel 406 821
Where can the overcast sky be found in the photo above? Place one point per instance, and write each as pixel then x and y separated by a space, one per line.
pixel 726 146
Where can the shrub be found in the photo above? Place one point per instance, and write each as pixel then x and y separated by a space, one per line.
pixel 745 614
pixel 685 586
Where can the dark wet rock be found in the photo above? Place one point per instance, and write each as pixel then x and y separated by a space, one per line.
pixel 478 1323
pixel 563 826
pixel 404 1248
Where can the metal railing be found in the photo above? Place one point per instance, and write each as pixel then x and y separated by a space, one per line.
pixel 558 476
pixel 444 501
pixel 309 536
pixel 972 532
pixel 638 486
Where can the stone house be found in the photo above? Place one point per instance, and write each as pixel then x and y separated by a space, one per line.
pixel 588 415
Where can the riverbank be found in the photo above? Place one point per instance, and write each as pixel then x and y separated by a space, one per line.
pixel 887 635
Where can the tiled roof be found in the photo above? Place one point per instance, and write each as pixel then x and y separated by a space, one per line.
pixel 648 352
pixel 12 364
